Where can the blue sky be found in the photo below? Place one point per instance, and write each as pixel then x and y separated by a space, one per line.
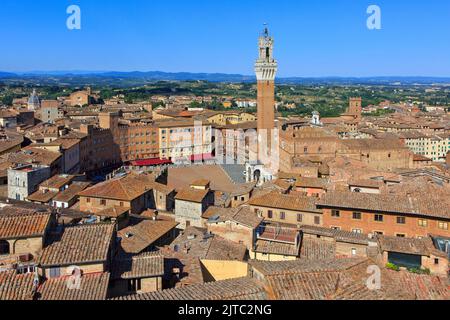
pixel 313 38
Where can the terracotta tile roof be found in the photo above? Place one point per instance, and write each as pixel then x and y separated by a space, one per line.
pixel 67 143
pixel 422 186
pixel 289 176
pixel 242 215
pixel 372 144
pixel 333 279
pixel 312 249
pixel 10 140
pixel 278 233
pixel 344 279
pixel 162 188
pixel 268 188
pixel 394 286
pixel 15 286
pixel 314 279
pixel 199 243
pixel 37 155
pixel 42 196
pixel 181 178
pixel 300 266
pixel 368 183
pixel 279 248
pixel 201 183
pixel 338 235
pixel 415 246
pixel 190 267
pixel 317 183
pixel 17 207
pixel 420 287
pixel 92 287
pixel 242 189
pixel 283 184
pixel 162 124
pixel 78 245
pixel 144 234
pixel 186 252
pixel 243 125
pixel 150 264
pixel 148 214
pixel 385 203
pixel 192 195
pixel 126 188
pixel 113 212
pixel 235 289
pixel 288 202
pixel 311 286
pixel 57 181
pixel 223 249
pixel 29 225
pixel 245 216
pixel 71 192
pixel 216 211
pixel 412 134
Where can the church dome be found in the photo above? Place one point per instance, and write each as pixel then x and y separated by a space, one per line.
pixel 33 101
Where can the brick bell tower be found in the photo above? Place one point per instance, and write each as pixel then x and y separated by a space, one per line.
pixel 266 68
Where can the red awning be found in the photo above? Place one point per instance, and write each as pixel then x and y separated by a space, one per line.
pixel 150 162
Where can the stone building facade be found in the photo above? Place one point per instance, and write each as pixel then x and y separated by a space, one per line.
pixel 24 180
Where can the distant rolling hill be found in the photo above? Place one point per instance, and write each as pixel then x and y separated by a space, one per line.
pixel 7 75
pixel 140 78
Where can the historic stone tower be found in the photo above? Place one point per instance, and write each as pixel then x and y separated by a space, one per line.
pixel 355 108
pixel 268 152
pixel 266 68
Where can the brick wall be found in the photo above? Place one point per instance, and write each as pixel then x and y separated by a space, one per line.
pixel 389 226
pixel 266 104
pixel 308 218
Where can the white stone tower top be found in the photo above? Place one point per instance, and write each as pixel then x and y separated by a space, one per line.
pixel 266 66
pixel 33 101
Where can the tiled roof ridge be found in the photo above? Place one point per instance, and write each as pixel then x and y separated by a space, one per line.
pixel 87 226
pixel 124 190
pixel 224 290
pixel 326 269
pixel 24 214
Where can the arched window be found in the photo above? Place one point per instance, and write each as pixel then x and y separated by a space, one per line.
pixel 4 247
pixel 257 175
pixel 357 190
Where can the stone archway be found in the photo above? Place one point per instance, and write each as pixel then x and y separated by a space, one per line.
pixel 257 175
